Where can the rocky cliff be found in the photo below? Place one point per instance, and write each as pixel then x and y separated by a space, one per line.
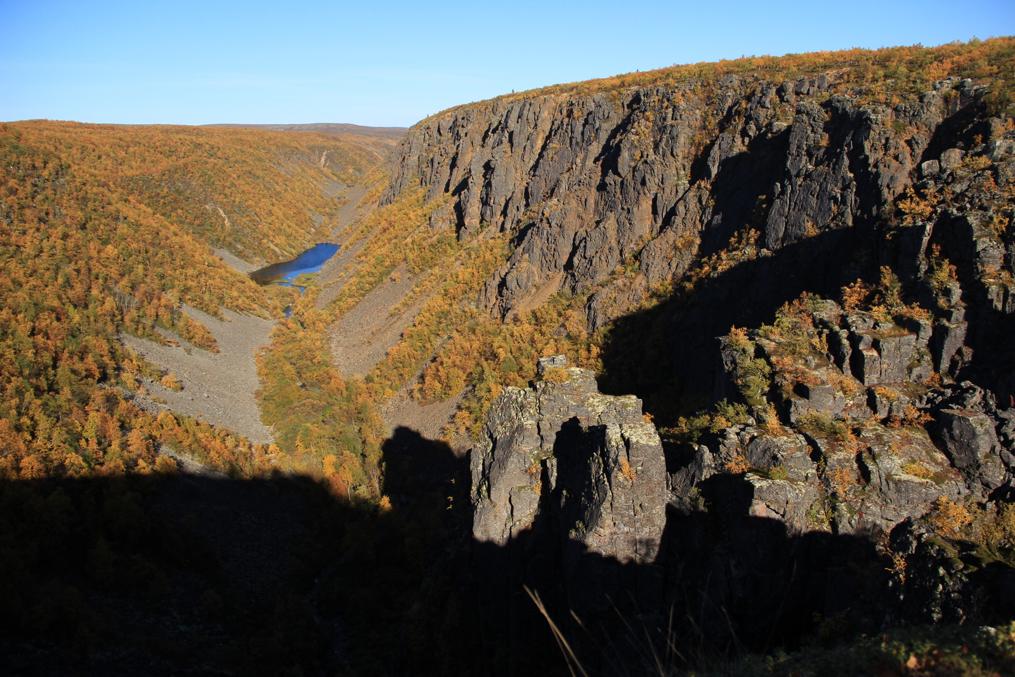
pixel 653 176
pixel 863 237
pixel 855 508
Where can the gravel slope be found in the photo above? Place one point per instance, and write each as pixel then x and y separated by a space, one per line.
pixel 217 388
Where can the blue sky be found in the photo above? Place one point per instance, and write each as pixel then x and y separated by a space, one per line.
pixel 394 63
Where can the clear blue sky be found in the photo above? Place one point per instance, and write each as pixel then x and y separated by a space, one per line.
pixel 396 62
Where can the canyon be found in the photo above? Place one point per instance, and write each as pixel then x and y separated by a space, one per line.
pixel 704 369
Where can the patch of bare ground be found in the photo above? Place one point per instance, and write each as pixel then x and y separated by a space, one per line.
pixel 362 337
pixel 336 271
pixel 349 212
pixel 337 268
pixel 188 464
pixel 218 387
pixel 234 261
pixel 401 411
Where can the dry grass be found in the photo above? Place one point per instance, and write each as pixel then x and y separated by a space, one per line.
pixel 556 375
pixel 626 470
pixel 737 465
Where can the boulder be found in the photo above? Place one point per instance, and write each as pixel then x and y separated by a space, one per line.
pixel 951 159
pixel 969 439
pixel 821 398
pixel 930 168
pixel 795 504
pixel 884 354
pixel 903 474
pixel 787 455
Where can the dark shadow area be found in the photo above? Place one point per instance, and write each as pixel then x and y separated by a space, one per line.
pixel 668 355
pixel 991 333
pixel 742 189
pixel 191 575
pixel 185 574
pixel 968 121
pixel 746 583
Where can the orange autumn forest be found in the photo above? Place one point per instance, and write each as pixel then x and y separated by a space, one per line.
pixel 699 370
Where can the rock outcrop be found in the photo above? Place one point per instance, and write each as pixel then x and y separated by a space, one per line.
pixel 835 440
pixel 975 434
pixel 582 475
pixel 871 439
pixel 811 460
pixel 564 452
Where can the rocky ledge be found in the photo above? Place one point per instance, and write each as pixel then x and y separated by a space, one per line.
pixel 862 498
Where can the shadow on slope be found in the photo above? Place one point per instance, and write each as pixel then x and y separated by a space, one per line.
pixel 186 574
pixel 668 354
pixel 180 574
pixel 992 360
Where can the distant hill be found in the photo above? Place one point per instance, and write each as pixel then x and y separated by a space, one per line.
pixel 331 128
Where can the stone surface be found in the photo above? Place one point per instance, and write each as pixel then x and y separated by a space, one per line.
pixel 618 196
pixel 563 448
pixel 588 181
pixel 969 439
pixel 950 159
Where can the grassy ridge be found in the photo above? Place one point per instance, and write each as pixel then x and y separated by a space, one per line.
pixel 876 75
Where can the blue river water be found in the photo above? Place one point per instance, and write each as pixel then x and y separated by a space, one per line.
pixel 286 272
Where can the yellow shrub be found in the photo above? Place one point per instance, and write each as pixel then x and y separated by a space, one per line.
pixel 949 519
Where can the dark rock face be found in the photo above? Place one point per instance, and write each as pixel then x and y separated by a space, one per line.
pixel 591 460
pixel 864 462
pixel 752 519
pixel 580 479
pixel 969 428
pixel 811 485
pixel 762 513
pixel 946 582
pixel 969 440
pixel 650 175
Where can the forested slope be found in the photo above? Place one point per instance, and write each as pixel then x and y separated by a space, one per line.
pixel 108 229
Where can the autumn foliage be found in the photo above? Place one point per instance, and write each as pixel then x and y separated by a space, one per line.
pixel 106 230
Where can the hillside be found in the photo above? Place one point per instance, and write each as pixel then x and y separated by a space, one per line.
pixel 109 230
pixel 119 244
pixel 706 369
pixel 261 194
pixel 599 199
pixel 388 134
